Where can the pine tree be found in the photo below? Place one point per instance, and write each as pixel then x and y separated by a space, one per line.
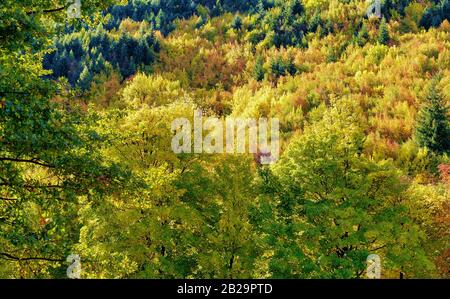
pixel 131 70
pixel 386 8
pixel 100 63
pixel 331 56
pixel 278 67
pixel 236 23
pixel 99 30
pixel 436 14
pixel 201 21
pixel 433 129
pixel 258 71
pixel 217 9
pixel 71 56
pixel 159 20
pixel 144 28
pixel 383 37
pixel 296 7
pixel 85 79
pixel 290 67
pixel 363 36
pixel 260 8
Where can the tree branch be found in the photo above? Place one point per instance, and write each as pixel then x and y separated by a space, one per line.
pixel 11 257
pixel 49 10
pixel 8 199
pixel 32 161
pixel 358 274
pixel 12 92
pixel 378 248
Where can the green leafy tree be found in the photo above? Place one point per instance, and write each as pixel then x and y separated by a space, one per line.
pixel 162 229
pixel 232 246
pixel 94 173
pixel 336 205
pixel 48 159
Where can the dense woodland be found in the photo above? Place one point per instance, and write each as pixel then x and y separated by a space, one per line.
pixel 86 165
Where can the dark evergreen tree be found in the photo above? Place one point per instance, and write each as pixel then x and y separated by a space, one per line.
pixel 217 10
pixel 383 36
pixel 159 20
pixel 236 23
pixel 433 129
pixel 259 71
pixel 290 67
pixel 386 7
pixel 331 56
pixel 363 36
pixel 260 8
pixel 100 64
pixel 436 14
pixel 85 79
pixel 315 22
pixel 277 67
pixel 296 7
pixel 201 21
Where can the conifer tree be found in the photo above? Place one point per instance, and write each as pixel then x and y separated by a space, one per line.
pixel 278 67
pixel 363 36
pixel 85 79
pixel 433 129
pixel 260 8
pixel 258 71
pixel 296 7
pixel 436 14
pixel 217 9
pixel 383 37
pixel 290 67
pixel 159 20
pixel 237 23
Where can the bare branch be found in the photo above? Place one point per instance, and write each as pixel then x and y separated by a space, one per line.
pixel 378 248
pixel 15 258
pixel 32 161
pixel 52 10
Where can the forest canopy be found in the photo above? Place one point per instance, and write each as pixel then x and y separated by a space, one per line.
pixel 87 168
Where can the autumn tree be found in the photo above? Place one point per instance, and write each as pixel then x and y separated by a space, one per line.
pixel 48 159
pixel 336 206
